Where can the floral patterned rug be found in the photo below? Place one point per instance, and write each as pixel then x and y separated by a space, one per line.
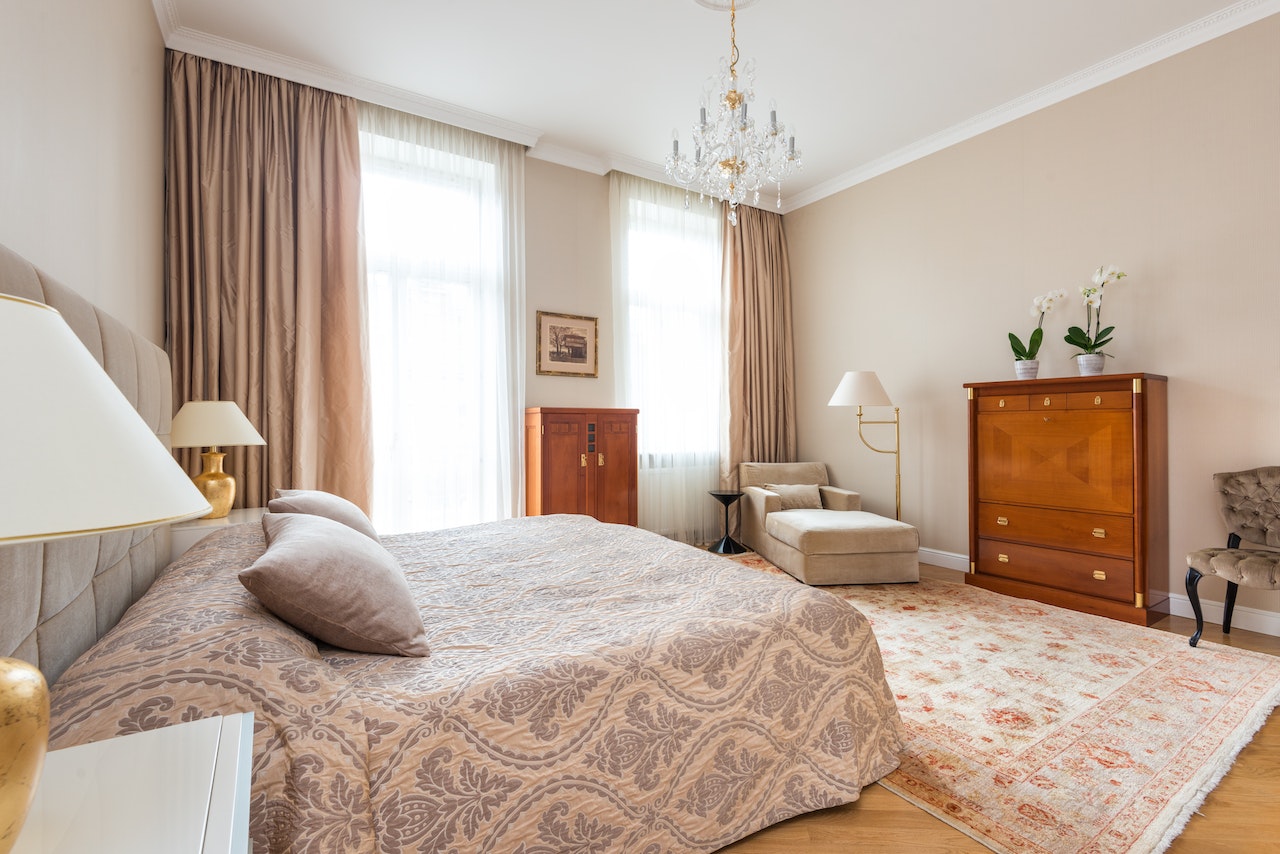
pixel 1037 729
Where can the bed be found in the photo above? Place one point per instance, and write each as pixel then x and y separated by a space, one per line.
pixel 588 687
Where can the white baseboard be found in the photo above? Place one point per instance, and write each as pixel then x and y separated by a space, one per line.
pixel 1250 619
pixel 946 560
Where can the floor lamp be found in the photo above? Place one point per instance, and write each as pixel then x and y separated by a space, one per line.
pixel 863 388
pixel 77 459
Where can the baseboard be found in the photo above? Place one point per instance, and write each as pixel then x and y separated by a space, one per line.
pixel 1250 619
pixel 946 560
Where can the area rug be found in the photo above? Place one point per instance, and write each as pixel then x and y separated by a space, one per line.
pixel 1037 729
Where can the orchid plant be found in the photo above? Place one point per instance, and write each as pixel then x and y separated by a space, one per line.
pixel 1094 337
pixel 1040 306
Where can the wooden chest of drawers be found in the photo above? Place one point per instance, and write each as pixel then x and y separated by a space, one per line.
pixel 1068 494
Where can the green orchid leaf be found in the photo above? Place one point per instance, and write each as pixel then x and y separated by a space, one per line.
pixel 1099 344
pixel 1104 333
pixel 1019 352
pixel 1033 343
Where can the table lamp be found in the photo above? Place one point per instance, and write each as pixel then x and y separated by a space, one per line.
pixel 213 424
pixel 863 388
pixel 56 400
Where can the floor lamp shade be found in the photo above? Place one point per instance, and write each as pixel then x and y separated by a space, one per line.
pixel 860 388
pixel 213 424
pixel 76 459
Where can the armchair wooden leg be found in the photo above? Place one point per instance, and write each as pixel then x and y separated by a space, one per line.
pixel 1228 606
pixel 1193 579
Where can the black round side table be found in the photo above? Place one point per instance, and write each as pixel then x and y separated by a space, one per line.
pixel 727 545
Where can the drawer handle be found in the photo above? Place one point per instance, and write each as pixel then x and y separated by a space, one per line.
pixel 1002 520
pixel 1097 401
pixel 1002 403
pixel 1099 575
pixel 1047 402
pixel 584 460
pixel 1002 558
pixel 1100 533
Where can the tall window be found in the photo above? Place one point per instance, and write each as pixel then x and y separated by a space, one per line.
pixel 671 350
pixel 442 219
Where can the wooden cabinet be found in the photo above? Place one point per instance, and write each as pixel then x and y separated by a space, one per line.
pixel 1068 492
pixel 581 461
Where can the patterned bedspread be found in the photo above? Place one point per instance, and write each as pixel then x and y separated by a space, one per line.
pixel 591 688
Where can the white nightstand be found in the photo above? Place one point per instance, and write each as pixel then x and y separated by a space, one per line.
pixel 184 535
pixel 183 788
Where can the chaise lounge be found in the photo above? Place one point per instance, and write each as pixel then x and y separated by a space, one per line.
pixel 795 519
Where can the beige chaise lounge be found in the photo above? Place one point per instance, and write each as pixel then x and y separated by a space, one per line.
pixel 827 538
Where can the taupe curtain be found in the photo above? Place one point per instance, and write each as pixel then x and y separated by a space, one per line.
pixel 264 288
pixel 762 400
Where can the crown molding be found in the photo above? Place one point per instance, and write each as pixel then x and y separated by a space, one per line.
pixel 570 157
pixel 177 37
pixel 1170 44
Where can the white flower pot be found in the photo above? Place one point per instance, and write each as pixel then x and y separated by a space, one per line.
pixel 1026 369
pixel 1089 364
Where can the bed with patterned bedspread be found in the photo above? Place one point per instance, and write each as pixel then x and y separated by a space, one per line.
pixel 589 687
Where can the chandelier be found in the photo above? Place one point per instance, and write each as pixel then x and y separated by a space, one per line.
pixel 733 158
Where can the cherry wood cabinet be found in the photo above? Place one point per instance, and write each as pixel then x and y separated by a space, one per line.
pixel 581 461
pixel 1068 492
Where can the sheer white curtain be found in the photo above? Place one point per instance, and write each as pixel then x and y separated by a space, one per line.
pixel 670 351
pixel 443 220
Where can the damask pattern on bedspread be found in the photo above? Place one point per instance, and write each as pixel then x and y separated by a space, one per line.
pixel 590 687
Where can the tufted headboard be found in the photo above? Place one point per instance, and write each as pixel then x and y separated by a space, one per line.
pixel 57 598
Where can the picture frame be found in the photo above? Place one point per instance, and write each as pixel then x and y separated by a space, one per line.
pixel 568 345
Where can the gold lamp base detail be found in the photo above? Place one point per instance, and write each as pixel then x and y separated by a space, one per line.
pixel 24 738
pixel 217 487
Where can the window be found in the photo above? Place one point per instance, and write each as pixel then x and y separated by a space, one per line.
pixel 441 209
pixel 669 327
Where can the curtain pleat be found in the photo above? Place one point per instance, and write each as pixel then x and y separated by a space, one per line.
pixel 761 372
pixel 265 299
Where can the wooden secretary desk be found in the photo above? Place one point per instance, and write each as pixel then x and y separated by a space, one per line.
pixel 581 461
pixel 1068 492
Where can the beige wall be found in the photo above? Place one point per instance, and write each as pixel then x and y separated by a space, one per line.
pixel 81 149
pixel 568 271
pixel 1172 173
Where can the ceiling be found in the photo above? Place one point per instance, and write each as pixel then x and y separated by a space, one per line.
pixel 600 84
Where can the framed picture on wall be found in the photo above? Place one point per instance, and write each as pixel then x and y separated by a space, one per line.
pixel 567 345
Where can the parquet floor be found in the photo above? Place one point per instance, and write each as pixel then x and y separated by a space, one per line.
pixel 1241 815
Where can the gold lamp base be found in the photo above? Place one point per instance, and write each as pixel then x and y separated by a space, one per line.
pixel 24 738
pixel 217 487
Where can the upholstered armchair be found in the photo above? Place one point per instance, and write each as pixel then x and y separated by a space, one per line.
pixel 793 517
pixel 1249 502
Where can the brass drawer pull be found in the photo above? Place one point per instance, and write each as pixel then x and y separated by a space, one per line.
pixel 1100 533
pixel 1002 558
pixel 1097 401
pixel 1099 575
pixel 1002 520
pixel 1002 403
pixel 1047 402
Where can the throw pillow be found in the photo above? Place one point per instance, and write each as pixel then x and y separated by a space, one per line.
pixel 316 503
pixel 336 584
pixel 797 496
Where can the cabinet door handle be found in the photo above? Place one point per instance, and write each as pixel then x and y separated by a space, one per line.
pixel 1047 402
pixel 1002 403
pixel 1100 533
pixel 1002 558
pixel 1097 400
pixel 599 460
pixel 1002 520
pixel 1099 575
pixel 584 460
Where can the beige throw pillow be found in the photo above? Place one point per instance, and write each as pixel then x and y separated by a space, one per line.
pixel 797 496
pixel 338 585
pixel 317 503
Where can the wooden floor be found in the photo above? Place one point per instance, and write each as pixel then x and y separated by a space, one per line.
pixel 1241 815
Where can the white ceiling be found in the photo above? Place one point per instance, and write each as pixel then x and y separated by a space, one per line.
pixel 600 84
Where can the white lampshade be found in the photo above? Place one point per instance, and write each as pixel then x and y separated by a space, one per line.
pixel 75 455
pixel 212 423
pixel 860 388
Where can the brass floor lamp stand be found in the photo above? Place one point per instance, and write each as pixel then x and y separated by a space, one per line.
pixel 897 457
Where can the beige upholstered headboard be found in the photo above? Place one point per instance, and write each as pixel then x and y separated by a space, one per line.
pixel 57 598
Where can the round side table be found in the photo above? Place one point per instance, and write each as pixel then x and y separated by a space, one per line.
pixel 727 545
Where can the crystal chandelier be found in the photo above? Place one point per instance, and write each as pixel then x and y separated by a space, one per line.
pixel 732 157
